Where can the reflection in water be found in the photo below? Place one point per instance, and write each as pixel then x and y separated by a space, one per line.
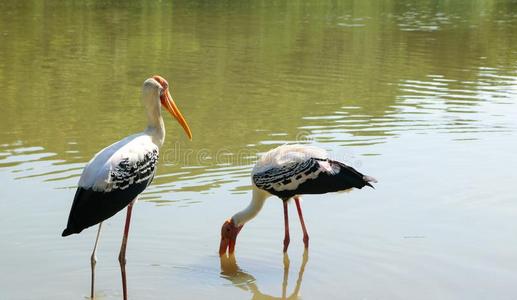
pixel 231 271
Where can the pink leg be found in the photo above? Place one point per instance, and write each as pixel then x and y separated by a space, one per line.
pixel 122 254
pixel 300 215
pixel 286 224
pixel 93 261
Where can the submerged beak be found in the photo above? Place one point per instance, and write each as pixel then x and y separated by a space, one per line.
pixel 173 109
pixel 227 243
pixel 224 245
pixel 229 234
pixel 231 246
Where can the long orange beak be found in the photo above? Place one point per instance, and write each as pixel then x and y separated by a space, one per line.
pixel 231 246
pixel 229 234
pixel 172 108
pixel 227 244
pixel 223 246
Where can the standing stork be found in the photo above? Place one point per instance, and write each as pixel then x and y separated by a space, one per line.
pixel 116 175
pixel 287 172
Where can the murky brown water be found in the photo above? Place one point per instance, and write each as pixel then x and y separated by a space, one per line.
pixel 420 94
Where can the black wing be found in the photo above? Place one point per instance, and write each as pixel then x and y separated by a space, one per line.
pixel 129 180
pixel 313 176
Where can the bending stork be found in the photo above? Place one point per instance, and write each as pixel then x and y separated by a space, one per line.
pixel 287 172
pixel 115 176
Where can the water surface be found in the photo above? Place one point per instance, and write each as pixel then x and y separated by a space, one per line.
pixel 420 94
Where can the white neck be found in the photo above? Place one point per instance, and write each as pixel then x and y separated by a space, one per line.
pixel 253 208
pixel 155 126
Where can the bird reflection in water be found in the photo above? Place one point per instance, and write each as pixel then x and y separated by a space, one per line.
pixel 245 281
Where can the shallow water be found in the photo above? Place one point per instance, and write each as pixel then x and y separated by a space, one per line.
pixel 420 94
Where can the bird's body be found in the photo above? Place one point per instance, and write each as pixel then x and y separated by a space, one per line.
pixel 287 172
pixel 116 175
pixel 291 170
pixel 112 179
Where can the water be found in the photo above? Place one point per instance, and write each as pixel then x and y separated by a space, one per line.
pixel 420 94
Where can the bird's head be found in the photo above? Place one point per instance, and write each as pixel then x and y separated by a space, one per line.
pixel 229 232
pixel 158 86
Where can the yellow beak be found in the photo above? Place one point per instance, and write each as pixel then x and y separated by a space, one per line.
pixel 172 108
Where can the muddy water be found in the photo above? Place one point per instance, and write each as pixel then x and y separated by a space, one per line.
pixel 421 95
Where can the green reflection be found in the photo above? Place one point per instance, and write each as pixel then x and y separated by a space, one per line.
pixel 248 75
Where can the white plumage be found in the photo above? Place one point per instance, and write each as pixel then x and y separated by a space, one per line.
pixel 97 174
pixel 287 154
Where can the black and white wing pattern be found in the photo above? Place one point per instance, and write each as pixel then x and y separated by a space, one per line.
pixel 296 170
pixel 111 180
pixel 134 172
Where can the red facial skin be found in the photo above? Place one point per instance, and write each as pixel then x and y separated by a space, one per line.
pixel 229 234
pixel 162 81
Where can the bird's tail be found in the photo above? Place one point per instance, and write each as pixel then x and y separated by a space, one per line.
pixel 351 177
pixel 369 180
pixel 67 232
